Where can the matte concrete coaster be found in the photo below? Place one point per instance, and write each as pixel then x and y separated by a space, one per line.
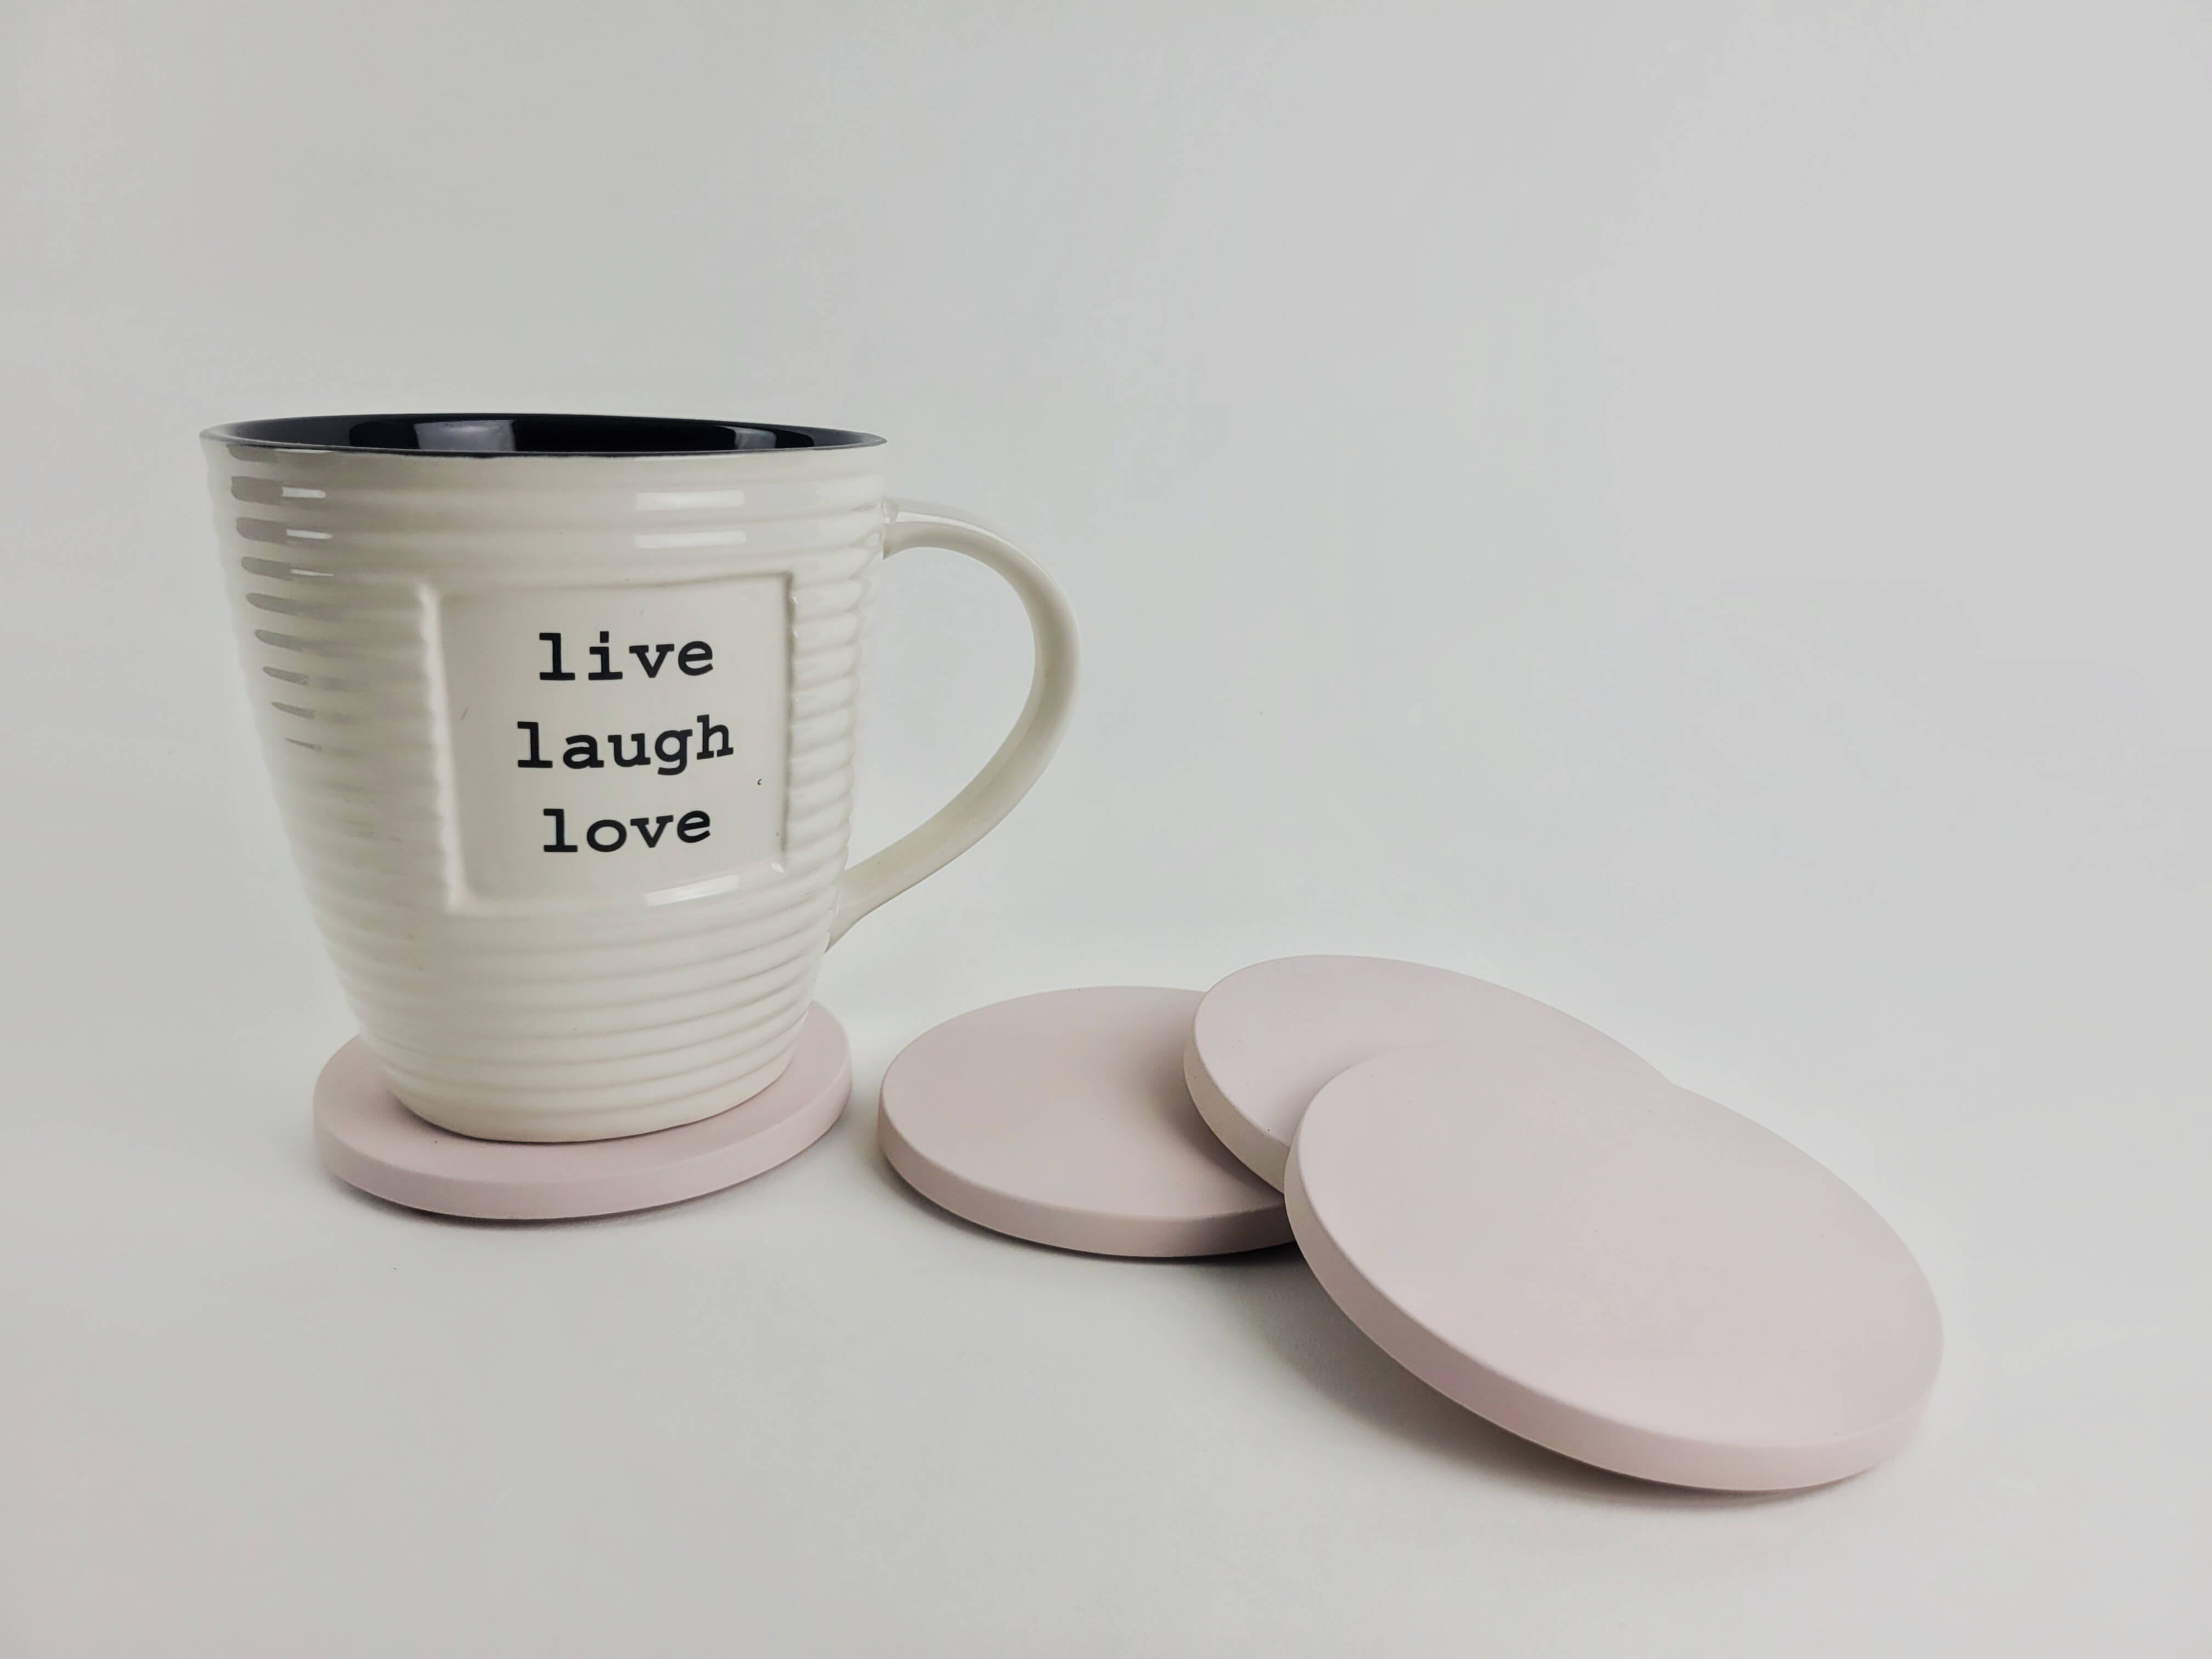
pixel 1268 1036
pixel 369 1138
pixel 1619 1269
pixel 1063 1118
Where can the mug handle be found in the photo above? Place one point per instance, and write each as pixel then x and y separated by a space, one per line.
pixel 1006 776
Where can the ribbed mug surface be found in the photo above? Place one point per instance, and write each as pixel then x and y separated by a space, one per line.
pixel 564 745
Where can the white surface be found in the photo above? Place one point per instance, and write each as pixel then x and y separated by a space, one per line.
pixel 1694 512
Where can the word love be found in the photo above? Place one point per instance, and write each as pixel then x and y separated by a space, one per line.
pixel 608 834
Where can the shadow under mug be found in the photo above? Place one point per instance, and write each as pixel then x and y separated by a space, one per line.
pixel 560 713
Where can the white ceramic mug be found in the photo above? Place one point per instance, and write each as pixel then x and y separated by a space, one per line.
pixel 559 711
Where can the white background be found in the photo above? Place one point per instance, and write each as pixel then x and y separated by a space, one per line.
pixel 1697 512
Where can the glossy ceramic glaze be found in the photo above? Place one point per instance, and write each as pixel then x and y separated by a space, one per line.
pixel 564 744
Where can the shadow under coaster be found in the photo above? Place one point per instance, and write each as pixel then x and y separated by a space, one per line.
pixel 368 1139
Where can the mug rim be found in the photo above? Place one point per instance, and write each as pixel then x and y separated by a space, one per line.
pixel 532 436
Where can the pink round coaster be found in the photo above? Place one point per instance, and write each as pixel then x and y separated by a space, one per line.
pixel 1062 1118
pixel 369 1138
pixel 1618 1268
pixel 1268 1036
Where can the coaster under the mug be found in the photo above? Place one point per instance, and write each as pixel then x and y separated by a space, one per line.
pixel 368 1139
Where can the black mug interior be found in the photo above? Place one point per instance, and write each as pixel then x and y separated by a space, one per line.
pixel 530 434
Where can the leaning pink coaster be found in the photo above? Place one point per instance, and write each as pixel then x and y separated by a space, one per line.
pixel 1618 1269
pixel 1266 1038
pixel 369 1138
pixel 1062 1118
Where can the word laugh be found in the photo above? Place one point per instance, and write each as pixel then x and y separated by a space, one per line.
pixel 669 753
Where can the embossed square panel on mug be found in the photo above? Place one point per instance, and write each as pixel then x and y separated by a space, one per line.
pixel 559 711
